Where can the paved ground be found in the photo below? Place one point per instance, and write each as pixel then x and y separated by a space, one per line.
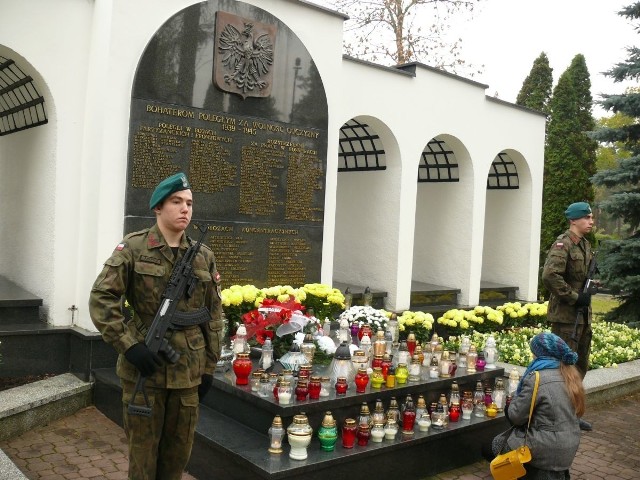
pixel 89 445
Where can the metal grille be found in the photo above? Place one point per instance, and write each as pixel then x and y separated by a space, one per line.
pixel 438 163
pixel 503 174
pixel 360 148
pixel 21 106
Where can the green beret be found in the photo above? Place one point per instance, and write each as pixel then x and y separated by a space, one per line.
pixel 166 187
pixel 577 210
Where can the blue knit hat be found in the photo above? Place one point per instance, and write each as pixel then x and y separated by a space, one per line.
pixel 577 210
pixel 166 187
pixel 547 344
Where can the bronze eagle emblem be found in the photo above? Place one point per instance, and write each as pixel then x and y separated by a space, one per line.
pixel 245 59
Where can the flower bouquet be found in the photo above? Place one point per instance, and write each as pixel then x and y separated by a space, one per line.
pixel 420 323
pixel 278 321
pixel 366 315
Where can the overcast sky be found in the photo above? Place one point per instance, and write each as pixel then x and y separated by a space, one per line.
pixel 508 35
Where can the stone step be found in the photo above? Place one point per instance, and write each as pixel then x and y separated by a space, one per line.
pixel 17 305
pixel 39 403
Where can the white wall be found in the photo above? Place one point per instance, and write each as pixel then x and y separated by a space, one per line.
pixel 70 182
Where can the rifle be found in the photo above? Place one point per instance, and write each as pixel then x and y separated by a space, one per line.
pixel 181 284
pixel 589 287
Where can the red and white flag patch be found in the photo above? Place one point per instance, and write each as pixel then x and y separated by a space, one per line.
pixel 559 245
pixel 121 246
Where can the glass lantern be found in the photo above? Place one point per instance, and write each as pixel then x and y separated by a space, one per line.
pixel 377 432
pixel 499 394
pixel 293 359
pixel 308 348
pixel 415 369
pixel 266 357
pixel 390 428
pixel 490 352
pixel 240 341
pixel 299 436
pixel 276 434
pixel 445 365
pixel 344 333
pixel 472 358
pixel 328 433
pixel 434 367
pixel 359 359
pixel 366 347
pixel 341 365
pixel 392 326
pixel 514 380
pixel 379 344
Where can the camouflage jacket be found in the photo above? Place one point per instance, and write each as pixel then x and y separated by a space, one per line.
pixel 564 274
pixel 139 269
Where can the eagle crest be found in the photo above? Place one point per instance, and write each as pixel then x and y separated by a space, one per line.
pixel 245 61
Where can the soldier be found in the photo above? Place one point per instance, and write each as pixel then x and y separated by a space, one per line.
pixel 564 274
pixel 139 269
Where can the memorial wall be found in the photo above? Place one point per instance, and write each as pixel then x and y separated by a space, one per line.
pixel 226 93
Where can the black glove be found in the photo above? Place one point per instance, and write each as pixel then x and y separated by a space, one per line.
pixel 143 359
pixel 584 299
pixel 205 385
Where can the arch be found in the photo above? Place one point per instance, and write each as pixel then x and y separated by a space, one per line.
pixel 442 239
pixel 367 202
pixel 507 222
pixel 28 159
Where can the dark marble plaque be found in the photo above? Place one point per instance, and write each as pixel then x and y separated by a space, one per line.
pixel 226 93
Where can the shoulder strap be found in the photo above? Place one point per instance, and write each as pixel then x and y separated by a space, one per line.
pixel 533 402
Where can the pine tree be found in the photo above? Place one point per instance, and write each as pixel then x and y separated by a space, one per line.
pixel 570 155
pixel 620 259
pixel 536 88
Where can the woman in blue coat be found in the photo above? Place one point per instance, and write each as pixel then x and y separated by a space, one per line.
pixel 554 431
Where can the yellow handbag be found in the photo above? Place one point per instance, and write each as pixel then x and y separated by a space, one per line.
pixel 509 466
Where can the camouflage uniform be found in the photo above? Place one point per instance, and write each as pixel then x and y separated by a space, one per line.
pixel 564 274
pixel 139 269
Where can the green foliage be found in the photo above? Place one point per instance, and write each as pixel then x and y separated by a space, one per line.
pixel 620 259
pixel 570 155
pixel 536 88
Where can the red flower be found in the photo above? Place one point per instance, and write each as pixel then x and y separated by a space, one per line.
pixel 263 321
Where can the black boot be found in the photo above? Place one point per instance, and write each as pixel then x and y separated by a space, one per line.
pixel 585 426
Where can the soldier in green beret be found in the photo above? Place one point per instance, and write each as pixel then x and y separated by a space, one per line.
pixel 564 274
pixel 139 269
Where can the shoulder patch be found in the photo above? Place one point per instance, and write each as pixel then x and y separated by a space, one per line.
pixel 121 246
pixel 216 277
pixel 558 245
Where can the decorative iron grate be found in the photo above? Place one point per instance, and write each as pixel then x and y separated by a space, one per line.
pixel 503 174
pixel 21 106
pixel 438 163
pixel 360 148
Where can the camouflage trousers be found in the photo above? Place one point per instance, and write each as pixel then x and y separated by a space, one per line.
pixel 160 445
pixel 582 347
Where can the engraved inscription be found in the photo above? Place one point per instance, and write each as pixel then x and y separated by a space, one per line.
pixel 286 261
pixel 210 170
pixel 260 170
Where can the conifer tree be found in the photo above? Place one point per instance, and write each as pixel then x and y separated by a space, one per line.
pixel 570 154
pixel 620 259
pixel 536 88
